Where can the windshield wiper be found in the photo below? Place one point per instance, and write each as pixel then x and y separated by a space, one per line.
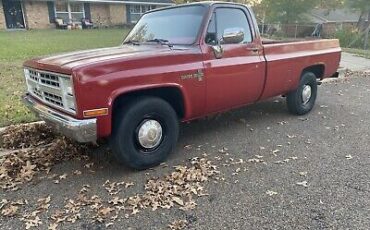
pixel 161 41
pixel 133 42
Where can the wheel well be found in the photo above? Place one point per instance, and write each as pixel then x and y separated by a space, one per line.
pixel 318 70
pixel 170 94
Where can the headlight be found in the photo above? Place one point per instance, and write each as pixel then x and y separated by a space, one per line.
pixel 26 72
pixel 70 102
pixel 67 85
pixel 68 93
pixel 69 90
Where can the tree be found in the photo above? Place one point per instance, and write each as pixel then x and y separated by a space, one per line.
pixel 331 4
pixel 364 7
pixel 250 2
pixel 287 11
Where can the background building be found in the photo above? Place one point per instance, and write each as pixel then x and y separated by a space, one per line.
pixel 41 14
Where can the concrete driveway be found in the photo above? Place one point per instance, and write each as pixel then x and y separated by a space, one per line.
pixel 354 63
pixel 276 171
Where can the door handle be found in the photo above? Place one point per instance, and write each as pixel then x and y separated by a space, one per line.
pixel 253 49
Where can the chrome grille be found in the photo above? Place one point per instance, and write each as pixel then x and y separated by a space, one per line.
pixel 52 88
pixel 45 78
pixel 52 98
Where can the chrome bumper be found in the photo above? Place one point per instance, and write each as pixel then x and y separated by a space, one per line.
pixel 80 130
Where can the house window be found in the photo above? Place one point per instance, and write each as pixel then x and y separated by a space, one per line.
pixel 137 10
pixel 77 11
pixel 61 10
pixel 69 11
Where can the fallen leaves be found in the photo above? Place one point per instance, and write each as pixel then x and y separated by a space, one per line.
pixel 255 160
pixel 53 226
pixel 178 200
pixel 27 171
pixel 25 136
pixel 9 210
pixel 286 160
pixel 271 193
pixel 116 201
pixel 31 220
pixel 178 225
pixel 44 203
pixel 105 211
pixel 113 188
pixel 63 176
pixel 22 166
pixel 180 187
pixel 303 183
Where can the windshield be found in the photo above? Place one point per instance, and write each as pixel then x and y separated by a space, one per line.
pixel 175 26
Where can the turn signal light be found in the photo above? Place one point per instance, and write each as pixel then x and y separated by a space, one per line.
pixel 95 112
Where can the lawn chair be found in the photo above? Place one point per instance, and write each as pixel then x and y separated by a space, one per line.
pixel 87 23
pixel 60 24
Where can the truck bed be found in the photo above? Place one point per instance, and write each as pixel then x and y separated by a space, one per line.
pixel 286 59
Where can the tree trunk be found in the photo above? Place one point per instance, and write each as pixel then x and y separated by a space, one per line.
pixel 363 21
pixel 366 43
pixel 360 23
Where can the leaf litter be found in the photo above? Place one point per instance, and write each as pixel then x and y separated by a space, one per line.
pixel 26 136
pixel 180 188
pixel 21 166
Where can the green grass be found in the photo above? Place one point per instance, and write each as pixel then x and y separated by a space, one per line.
pixel 358 52
pixel 18 46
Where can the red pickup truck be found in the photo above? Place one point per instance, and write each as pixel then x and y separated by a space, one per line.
pixel 177 64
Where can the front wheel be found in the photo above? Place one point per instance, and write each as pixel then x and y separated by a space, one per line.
pixel 144 133
pixel 302 100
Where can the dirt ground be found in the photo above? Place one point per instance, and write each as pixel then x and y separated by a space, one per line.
pixel 253 168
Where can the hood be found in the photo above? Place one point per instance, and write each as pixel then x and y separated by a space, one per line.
pixel 67 61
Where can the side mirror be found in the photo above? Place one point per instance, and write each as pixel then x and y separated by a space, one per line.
pixel 218 51
pixel 230 36
pixel 233 36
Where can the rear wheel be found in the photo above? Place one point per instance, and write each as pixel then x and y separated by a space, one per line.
pixel 302 100
pixel 145 132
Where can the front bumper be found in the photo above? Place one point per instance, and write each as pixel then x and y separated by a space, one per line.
pixel 80 130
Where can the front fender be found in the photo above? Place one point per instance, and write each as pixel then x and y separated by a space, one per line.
pixel 105 122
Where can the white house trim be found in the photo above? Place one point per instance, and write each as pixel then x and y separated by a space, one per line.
pixel 121 2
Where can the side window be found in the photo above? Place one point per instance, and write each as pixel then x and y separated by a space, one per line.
pixel 211 37
pixel 228 18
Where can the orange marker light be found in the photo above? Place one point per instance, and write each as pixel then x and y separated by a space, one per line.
pixel 95 112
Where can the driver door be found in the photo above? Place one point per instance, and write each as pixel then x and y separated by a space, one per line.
pixel 237 76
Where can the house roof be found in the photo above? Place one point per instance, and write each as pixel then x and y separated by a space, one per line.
pixel 141 1
pixel 168 2
pixel 144 2
pixel 338 15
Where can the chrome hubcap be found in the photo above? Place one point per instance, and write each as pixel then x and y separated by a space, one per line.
pixel 150 134
pixel 306 94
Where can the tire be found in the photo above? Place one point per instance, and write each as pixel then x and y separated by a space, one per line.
pixel 146 151
pixel 298 101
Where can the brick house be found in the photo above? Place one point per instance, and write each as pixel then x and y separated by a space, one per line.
pixel 41 14
pixel 333 20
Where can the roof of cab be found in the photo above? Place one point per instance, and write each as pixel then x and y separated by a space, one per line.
pixel 204 3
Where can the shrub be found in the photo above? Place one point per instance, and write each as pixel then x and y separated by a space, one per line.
pixel 350 38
